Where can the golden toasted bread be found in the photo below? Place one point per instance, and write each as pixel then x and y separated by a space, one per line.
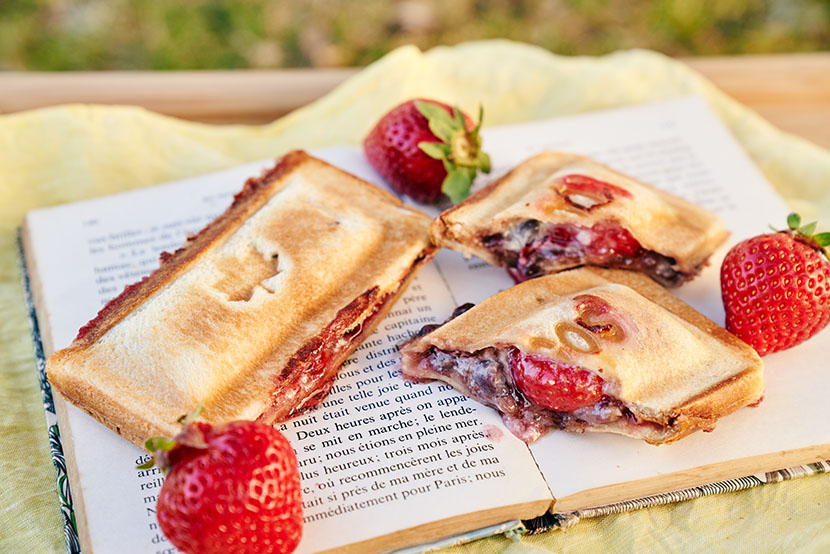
pixel 557 211
pixel 253 316
pixel 665 370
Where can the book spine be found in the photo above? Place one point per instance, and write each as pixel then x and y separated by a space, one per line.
pixel 70 529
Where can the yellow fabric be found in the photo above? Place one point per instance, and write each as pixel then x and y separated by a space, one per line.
pixel 62 154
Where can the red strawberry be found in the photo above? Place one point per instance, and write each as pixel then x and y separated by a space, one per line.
pixel 555 386
pixel 232 489
pixel 424 148
pixel 776 287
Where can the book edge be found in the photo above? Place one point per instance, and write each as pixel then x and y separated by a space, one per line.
pixel 462 528
pixel 692 483
pixel 564 520
pixel 62 478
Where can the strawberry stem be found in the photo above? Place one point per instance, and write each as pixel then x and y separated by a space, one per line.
pixel 459 148
pixel 189 436
pixel 807 233
pixel 186 419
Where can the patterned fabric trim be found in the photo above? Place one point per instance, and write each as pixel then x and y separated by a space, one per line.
pixel 563 520
pixel 70 528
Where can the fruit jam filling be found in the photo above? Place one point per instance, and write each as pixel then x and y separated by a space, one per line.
pixel 533 249
pixel 533 395
pixel 309 375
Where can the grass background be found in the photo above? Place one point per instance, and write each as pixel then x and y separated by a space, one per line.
pixel 212 34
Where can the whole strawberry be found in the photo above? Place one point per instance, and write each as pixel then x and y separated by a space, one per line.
pixel 776 287
pixel 424 148
pixel 231 489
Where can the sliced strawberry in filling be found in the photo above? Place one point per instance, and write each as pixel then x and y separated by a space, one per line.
pixel 587 193
pixel 532 394
pixel 555 386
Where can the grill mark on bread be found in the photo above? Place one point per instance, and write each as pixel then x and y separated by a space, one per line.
pixel 240 276
pixel 244 203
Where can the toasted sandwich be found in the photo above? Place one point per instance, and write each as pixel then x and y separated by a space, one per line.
pixel 558 211
pixel 591 350
pixel 253 316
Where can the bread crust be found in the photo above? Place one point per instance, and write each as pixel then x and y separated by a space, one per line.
pixel 660 221
pixel 483 327
pixel 221 317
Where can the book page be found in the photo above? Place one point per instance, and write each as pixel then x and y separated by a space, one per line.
pixel 682 147
pixel 380 455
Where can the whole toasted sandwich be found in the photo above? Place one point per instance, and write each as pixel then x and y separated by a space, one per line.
pixel 557 211
pixel 253 316
pixel 591 349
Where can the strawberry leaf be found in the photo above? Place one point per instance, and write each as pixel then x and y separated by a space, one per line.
pixel 433 111
pixel 459 118
pixel 159 443
pixel 460 152
pixel 437 150
pixel 793 221
pixel 480 119
pixel 441 130
pixel 148 464
pixel 440 122
pixel 822 239
pixel 484 162
pixel 457 183
pixel 809 229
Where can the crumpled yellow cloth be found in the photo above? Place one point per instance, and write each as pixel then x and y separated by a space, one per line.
pixel 63 154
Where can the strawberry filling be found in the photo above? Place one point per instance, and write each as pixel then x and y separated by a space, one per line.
pixel 309 375
pixel 533 249
pixel 587 193
pixel 533 395
pixel 554 386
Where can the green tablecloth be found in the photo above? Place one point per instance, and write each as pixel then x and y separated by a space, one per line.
pixel 62 154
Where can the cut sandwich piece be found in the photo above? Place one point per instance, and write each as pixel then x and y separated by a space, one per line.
pixel 557 211
pixel 253 316
pixel 591 349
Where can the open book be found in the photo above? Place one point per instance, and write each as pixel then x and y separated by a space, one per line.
pixel 386 463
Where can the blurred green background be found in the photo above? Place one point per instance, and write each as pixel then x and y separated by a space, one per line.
pixel 212 34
